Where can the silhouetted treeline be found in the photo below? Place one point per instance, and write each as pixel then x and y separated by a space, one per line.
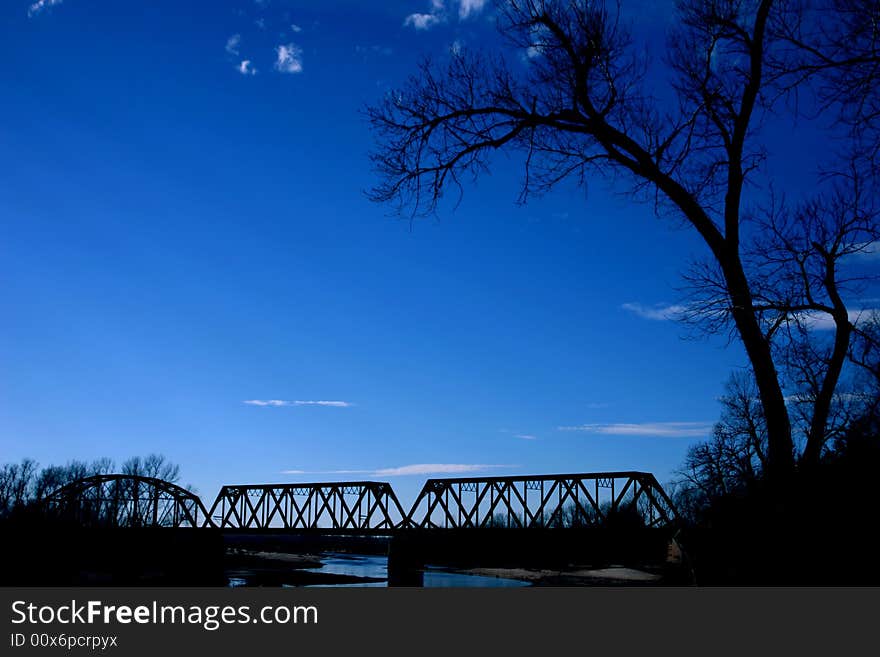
pixel 814 527
pixel 24 485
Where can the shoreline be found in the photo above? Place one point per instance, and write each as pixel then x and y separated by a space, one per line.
pixel 609 576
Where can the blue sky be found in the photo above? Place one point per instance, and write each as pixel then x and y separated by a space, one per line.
pixel 184 232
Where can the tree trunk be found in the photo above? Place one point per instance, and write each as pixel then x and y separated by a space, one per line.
pixel 780 447
pixel 822 406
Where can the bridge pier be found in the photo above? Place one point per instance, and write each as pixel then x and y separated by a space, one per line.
pixel 406 563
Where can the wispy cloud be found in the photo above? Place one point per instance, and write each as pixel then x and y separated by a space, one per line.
pixel 295 28
pixel 438 13
pixel 246 68
pixel 232 44
pixel 842 397
pixel 437 468
pixel 422 21
pixel 41 5
pixel 519 434
pixel 657 312
pixel 408 470
pixel 297 402
pixel 814 321
pixel 824 322
pixel 655 429
pixel 868 251
pixel 288 58
pixel 467 8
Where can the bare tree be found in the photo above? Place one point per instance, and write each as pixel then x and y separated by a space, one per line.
pixel 735 455
pixel 53 477
pixel 584 107
pixel 24 484
pixel 16 485
pixel 835 44
pixel 865 354
pixel 153 465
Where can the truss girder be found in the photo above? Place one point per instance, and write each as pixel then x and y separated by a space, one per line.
pixel 586 499
pixel 365 505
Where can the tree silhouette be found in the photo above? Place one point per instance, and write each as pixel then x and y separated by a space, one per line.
pixel 24 485
pixel 584 107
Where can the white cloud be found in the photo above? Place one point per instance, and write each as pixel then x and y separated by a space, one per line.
pixel 468 7
pixel 659 312
pixel 824 322
pixel 246 68
pixel 232 44
pixel 407 470
pixel 813 320
pixel 842 397
pixel 867 251
pixel 656 429
pixel 422 21
pixel 297 402
pixel 438 13
pixel 295 28
pixel 525 436
pixel 40 5
pixel 289 58
pixel 436 468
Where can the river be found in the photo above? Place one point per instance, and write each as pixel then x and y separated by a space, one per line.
pixel 376 567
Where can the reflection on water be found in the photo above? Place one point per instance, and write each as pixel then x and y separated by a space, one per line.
pixel 376 566
pixel 438 578
pixel 357 565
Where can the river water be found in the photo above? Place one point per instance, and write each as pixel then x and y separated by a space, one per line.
pixel 376 566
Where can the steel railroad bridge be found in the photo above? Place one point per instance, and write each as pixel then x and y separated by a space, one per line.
pixel 586 500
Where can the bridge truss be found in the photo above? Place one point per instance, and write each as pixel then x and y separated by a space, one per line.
pixel 358 505
pixel 574 500
pixel 118 500
pixel 539 501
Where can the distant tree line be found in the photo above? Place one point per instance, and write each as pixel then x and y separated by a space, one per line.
pixel 626 515
pixel 25 485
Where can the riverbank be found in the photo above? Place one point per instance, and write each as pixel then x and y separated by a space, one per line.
pixel 611 576
pixel 270 568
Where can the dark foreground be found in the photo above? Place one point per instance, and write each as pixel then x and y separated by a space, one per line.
pixel 743 554
pixel 40 556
